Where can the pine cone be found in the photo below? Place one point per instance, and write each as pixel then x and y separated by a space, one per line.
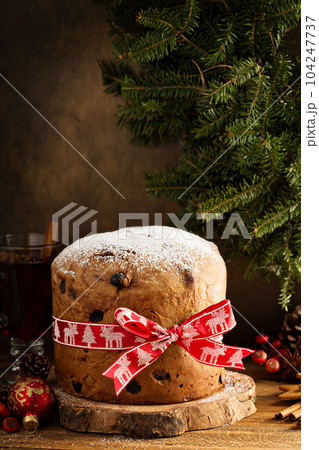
pixel 34 365
pixel 4 391
pixel 291 330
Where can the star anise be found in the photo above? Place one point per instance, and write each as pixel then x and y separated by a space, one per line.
pixel 291 363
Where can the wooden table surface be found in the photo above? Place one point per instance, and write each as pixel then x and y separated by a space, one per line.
pixel 259 431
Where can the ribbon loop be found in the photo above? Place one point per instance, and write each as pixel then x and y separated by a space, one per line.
pixel 139 325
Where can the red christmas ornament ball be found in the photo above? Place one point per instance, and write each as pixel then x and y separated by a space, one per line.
pixel 259 357
pixel 272 365
pixel 10 425
pixel 261 339
pixel 31 398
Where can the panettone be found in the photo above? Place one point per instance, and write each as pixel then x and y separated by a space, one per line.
pixel 171 275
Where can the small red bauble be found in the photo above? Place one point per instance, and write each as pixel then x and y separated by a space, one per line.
pixel 272 365
pixel 32 399
pixel 276 343
pixel 261 338
pixel 259 357
pixel 10 424
pixel 4 412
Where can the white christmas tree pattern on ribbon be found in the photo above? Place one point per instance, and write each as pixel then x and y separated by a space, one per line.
pixel 189 333
pixel 88 336
pixel 56 330
pixel 143 357
pixel 236 358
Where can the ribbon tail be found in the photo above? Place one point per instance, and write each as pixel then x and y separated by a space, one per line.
pixel 213 353
pixel 133 361
pixel 120 381
pixel 240 353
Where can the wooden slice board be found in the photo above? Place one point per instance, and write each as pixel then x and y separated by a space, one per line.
pixel 232 403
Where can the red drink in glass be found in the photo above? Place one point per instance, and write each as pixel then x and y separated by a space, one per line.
pixel 25 289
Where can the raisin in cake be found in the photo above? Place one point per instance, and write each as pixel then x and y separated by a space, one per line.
pixel 173 275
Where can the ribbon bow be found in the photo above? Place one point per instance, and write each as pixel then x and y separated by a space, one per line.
pixel 199 335
pixel 145 340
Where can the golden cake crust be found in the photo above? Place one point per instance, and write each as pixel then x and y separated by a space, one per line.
pixel 175 275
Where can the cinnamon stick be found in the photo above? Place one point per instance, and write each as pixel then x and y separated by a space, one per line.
pixel 50 237
pixel 289 387
pixel 293 394
pixel 295 415
pixel 286 412
pixel 299 423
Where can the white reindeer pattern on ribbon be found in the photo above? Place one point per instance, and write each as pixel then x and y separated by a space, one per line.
pixel 218 320
pixel 111 336
pixel 123 316
pixel 211 354
pixel 123 372
pixel 69 333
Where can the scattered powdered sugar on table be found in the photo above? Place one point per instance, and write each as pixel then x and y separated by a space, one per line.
pixel 147 246
pixel 235 384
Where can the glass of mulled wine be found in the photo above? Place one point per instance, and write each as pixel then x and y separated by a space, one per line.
pixel 25 290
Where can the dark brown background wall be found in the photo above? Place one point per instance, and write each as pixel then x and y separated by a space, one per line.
pixel 48 51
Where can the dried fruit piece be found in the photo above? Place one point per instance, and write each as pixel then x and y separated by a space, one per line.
pixel 62 286
pixel 96 316
pixel 133 387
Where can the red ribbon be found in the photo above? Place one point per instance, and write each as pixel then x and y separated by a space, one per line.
pixel 145 340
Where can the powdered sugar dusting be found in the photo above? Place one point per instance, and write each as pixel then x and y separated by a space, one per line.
pixel 157 246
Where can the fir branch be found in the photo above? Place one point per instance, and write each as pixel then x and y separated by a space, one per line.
pixel 276 218
pixel 191 5
pixel 187 41
pixel 161 44
pixel 228 197
pixel 287 11
pixel 256 96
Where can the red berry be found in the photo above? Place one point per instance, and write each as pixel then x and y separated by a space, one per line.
pixel 259 357
pixel 276 343
pixel 272 365
pixel 10 424
pixel 4 412
pixel 262 339
pixel 283 352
